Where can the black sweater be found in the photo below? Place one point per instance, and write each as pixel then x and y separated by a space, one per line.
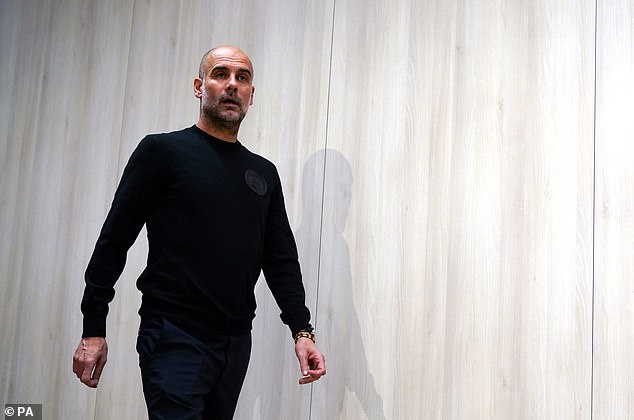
pixel 215 218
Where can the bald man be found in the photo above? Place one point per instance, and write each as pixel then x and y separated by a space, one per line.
pixel 215 218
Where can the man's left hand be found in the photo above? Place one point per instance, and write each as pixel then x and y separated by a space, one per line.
pixel 311 361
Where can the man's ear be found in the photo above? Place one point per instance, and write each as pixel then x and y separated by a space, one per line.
pixel 252 93
pixel 198 87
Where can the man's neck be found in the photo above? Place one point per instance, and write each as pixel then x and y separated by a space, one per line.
pixel 225 134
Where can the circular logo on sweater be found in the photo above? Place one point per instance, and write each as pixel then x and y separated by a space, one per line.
pixel 256 182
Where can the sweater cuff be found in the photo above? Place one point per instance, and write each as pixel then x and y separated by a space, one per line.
pixel 94 326
pixel 300 327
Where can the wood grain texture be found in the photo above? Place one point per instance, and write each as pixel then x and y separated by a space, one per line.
pixel 468 131
pixel 102 76
pixel 614 225
pixel 62 87
pixel 82 83
pixel 438 171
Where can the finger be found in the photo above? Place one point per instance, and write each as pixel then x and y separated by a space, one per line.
pixel 319 372
pixel 318 362
pixel 310 378
pixel 98 369
pixel 303 363
pixel 306 380
pixel 77 363
pixel 86 376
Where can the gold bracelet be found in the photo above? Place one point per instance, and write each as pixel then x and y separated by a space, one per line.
pixel 304 334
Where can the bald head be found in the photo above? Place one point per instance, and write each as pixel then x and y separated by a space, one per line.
pixel 209 58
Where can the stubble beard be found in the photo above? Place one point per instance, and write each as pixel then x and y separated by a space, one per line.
pixel 221 118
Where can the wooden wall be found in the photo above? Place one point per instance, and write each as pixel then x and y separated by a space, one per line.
pixel 457 174
pixel 614 213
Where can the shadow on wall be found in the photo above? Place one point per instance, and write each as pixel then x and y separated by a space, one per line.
pixel 271 390
pixel 338 327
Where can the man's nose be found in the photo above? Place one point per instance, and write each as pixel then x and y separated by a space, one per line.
pixel 232 82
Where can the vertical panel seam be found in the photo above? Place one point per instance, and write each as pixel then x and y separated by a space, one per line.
pixel 594 207
pixel 323 190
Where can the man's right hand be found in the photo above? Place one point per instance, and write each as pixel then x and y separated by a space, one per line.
pixel 89 360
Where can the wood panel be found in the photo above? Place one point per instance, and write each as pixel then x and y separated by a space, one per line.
pixel 85 82
pixel 459 285
pixel 62 90
pixel 614 225
pixel 158 84
pixel 454 278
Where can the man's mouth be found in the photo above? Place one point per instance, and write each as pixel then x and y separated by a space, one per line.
pixel 230 101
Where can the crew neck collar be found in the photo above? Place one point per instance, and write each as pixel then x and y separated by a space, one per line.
pixel 215 139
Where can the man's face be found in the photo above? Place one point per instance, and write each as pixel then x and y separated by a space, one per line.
pixel 226 88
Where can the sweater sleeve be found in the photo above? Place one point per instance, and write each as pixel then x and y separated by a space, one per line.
pixel 281 266
pixel 133 200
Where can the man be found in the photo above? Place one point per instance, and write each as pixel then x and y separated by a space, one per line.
pixel 215 218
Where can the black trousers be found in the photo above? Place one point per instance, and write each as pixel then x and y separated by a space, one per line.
pixel 185 377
